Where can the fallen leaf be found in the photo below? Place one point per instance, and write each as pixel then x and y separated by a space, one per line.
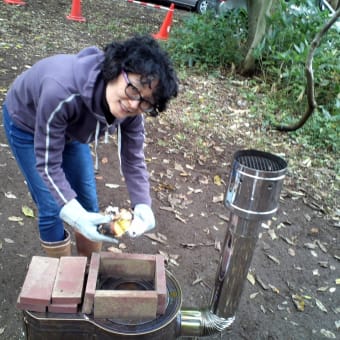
pixel 261 283
pixel 218 245
pixel 274 289
pixel 198 280
pixel 310 245
pixel 181 219
pixel 15 219
pixel 320 305
pixel 251 278
pixel 273 258
pixel 291 252
pixel 314 231
pixel 162 236
pixel 27 211
pixel 179 167
pixel 154 237
pixel 217 180
pixel 272 234
pixel 219 198
pixel 223 217
pixel 112 186
pixel 328 334
pixel 9 195
pixel 194 245
pixel 264 225
pixel 253 296
pixel 321 246
pixel 298 302
pixel 314 253
pixel 296 194
pixel 173 261
pixel 289 241
pixel 307 162
pixel 322 289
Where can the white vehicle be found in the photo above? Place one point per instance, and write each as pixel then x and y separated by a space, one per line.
pixel 200 6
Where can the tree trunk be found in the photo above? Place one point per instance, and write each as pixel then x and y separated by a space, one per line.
pixel 258 10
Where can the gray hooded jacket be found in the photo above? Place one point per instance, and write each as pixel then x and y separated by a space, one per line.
pixel 61 99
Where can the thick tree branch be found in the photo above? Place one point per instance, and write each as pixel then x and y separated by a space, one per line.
pixel 311 103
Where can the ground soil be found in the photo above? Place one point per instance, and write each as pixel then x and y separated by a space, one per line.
pixel 297 254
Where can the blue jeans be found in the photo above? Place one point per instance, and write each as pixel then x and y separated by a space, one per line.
pixel 78 168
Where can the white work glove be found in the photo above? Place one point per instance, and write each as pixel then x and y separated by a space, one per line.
pixel 85 222
pixel 143 220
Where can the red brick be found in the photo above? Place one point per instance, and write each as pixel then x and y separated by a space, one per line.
pixel 91 283
pixel 69 282
pixel 33 308
pixel 125 304
pixel 127 265
pixel 63 308
pixel 160 285
pixel 38 284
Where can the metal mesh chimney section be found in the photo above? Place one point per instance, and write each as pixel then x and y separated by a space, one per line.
pixel 252 196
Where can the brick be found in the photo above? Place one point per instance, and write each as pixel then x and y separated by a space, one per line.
pixel 127 265
pixel 91 284
pixel 30 307
pixel 125 304
pixel 69 282
pixel 63 308
pixel 38 284
pixel 160 285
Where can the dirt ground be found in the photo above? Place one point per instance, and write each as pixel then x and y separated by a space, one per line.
pixel 296 260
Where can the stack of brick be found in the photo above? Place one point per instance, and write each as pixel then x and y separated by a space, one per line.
pixel 56 285
pixel 53 285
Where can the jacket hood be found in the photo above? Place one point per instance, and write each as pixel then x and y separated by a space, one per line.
pixel 87 70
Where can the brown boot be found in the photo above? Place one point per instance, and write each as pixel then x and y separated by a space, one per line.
pixel 59 248
pixel 85 247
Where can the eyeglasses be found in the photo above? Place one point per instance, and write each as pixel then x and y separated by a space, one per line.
pixel 134 94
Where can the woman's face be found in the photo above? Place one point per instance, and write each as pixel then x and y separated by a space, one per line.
pixel 117 90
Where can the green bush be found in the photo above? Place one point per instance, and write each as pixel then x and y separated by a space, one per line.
pixel 205 41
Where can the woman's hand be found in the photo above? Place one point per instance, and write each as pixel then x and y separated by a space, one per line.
pixel 143 220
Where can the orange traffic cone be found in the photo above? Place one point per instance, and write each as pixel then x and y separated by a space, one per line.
pixel 76 12
pixel 166 25
pixel 15 2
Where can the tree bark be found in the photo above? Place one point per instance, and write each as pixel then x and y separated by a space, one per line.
pixel 258 10
pixel 311 103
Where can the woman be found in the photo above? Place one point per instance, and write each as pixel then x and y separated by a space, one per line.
pixel 62 103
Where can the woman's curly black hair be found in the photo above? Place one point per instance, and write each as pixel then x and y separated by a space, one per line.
pixel 142 55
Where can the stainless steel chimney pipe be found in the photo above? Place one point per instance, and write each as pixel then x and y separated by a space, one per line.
pixel 252 196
